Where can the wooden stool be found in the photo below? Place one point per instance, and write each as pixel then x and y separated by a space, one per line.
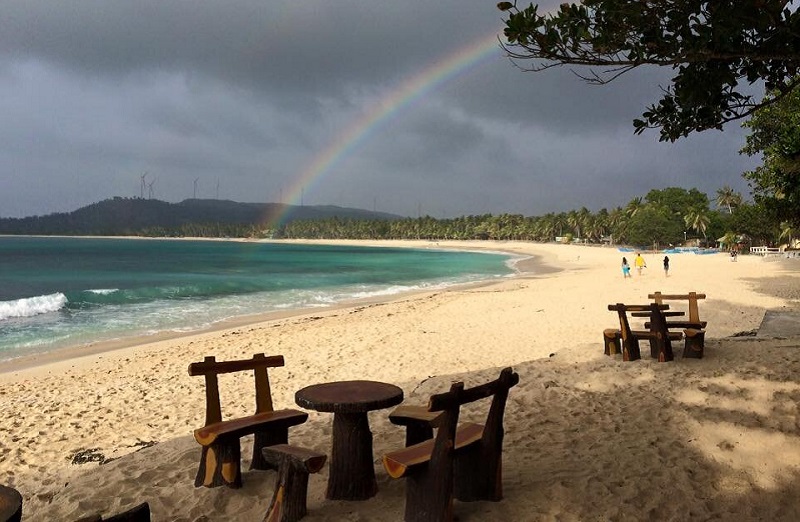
pixel 419 422
pixel 10 504
pixel 291 488
pixel 694 344
pixel 612 341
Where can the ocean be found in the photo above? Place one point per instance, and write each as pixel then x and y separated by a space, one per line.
pixel 57 292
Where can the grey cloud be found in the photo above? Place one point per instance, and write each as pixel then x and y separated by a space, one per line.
pixel 248 94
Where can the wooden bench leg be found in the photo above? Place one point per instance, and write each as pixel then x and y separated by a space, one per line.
pixel 291 488
pixel 661 349
pixel 429 496
pixel 630 350
pixel 261 440
pixel 694 343
pixel 611 341
pixel 220 464
pixel 478 474
pixel 417 432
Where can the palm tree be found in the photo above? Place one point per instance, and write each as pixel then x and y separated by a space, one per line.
pixel 634 206
pixel 727 197
pixel 697 219
pixel 729 239
pixel 787 232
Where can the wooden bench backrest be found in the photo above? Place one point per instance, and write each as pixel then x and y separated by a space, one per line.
pixel 450 403
pixel 692 297
pixel 623 309
pixel 210 368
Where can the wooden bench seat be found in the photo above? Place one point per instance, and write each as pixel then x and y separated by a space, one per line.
pixel 682 324
pixel 403 461
pixel 221 454
pixel 248 425
pixel 461 462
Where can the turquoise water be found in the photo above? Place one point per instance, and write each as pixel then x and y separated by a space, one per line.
pixel 57 292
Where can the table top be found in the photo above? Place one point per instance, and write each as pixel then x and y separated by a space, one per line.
pixel 349 396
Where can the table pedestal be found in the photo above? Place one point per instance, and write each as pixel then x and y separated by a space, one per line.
pixel 352 472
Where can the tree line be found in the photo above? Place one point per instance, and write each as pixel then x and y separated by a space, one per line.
pixel 671 216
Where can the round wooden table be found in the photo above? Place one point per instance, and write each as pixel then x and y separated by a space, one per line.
pixel 10 504
pixel 352 472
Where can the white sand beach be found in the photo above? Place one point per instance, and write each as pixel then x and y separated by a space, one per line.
pixel 588 437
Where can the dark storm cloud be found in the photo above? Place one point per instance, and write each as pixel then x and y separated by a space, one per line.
pixel 241 97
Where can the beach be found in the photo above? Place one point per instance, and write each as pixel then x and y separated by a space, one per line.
pixel 587 436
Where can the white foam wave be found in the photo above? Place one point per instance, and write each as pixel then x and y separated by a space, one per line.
pixel 103 291
pixel 30 306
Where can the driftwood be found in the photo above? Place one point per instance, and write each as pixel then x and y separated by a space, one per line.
pixel 221 454
pixel 463 462
pixel 291 489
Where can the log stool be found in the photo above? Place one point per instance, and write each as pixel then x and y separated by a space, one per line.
pixel 612 341
pixel 291 488
pixel 10 504
pixel 419 422
pixel 695 341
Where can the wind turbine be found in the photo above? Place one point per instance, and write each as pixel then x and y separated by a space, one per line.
pixel 195 187
pixel 150 188
pixel 143 176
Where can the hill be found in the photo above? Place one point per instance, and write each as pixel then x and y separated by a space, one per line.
pixel 137 216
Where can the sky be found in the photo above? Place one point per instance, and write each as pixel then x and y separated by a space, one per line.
pixel 404 107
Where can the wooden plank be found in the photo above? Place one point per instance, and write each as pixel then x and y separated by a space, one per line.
pixel 310 460
pixel 442 401
pixel 675 297
pixel 673 313
pixel 399 463
pixel 405 414
pixel 206 367
pixel 247 425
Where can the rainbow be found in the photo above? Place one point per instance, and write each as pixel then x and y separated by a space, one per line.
pixel 403 96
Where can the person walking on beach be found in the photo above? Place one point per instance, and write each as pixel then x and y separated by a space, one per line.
pixel 626 268
pixel 639 262
pixel 666 266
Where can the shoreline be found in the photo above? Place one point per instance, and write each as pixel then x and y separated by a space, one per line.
pixel 527 266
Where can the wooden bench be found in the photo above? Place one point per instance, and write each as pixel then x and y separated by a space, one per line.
pixel 659 336
pixel 219 463
pixel 693 328
pixel 462 462
pixel 291 489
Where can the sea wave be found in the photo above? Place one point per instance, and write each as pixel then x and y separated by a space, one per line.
pixel 31 306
